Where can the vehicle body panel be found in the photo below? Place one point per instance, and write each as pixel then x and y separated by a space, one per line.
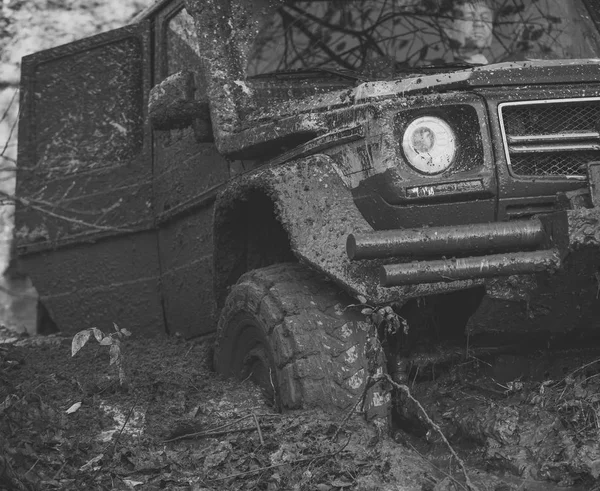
pixel 85 229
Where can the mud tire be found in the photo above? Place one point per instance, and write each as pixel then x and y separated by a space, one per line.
pixel 287 328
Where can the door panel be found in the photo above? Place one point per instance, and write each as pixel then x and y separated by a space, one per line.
pixel 188 175
pixel 93 285
pixel 86 233
pixel 186 259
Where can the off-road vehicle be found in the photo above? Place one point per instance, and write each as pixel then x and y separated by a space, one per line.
pixel 325 183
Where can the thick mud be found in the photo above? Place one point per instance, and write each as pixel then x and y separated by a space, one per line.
pixel 67 423
pixel 532 418
pixel 175 425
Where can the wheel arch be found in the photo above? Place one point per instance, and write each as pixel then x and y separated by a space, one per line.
pixel 307 202
pixel 248 234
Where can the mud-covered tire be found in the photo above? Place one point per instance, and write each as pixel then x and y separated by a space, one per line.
pixel 288 329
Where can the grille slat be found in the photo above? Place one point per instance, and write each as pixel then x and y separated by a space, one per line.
pixel 568 128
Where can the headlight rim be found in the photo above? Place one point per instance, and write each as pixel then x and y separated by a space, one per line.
pixel 423 120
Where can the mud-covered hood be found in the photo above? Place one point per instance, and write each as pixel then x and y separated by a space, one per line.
pixel 522 73
pixel 500 74
pixel 281 115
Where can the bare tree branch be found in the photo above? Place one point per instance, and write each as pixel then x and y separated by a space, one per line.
pixel 10 104
pixel 10 134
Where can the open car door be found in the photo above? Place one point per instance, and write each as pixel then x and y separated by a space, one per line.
pixel 84 222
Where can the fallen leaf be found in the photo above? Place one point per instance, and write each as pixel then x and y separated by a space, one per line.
pixel 73 408
pixel 132 484
pixel 7 402
pixel 595 468
pixel 338 483
pixel 89 464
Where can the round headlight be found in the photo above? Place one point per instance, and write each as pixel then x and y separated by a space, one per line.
pixel 429 145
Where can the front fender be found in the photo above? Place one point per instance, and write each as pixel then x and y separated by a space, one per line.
pixel 318 213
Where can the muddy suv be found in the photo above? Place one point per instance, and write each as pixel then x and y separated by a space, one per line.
pixel 332 185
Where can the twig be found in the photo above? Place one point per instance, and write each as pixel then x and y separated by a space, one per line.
pixel 262 441
pixel 273 387
pixel 368 384
pixel 577 370
pixel 216 431
pixel 31 468
pixel 472 358
pixel 441 471
pixel 406 390
pixel 12 100
pixel 298 461
pixel 231 423
pixel 59 471
pixel 205 434
pixel 248 377
pixel 125 423
pixel 10 133
pixel 415 377
pixel 106 387
pixel 274 466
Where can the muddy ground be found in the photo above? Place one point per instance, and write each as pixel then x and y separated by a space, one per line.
pixel 174 424
pixel 68 423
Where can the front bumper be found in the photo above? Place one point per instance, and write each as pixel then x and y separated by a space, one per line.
pixel 483 250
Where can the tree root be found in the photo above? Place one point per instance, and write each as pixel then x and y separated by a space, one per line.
pixel 406 390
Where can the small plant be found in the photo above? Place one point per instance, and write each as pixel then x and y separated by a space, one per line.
pixel 383 317
pixel 112 339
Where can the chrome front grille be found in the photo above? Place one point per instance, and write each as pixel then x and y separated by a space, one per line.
pixel 551 137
